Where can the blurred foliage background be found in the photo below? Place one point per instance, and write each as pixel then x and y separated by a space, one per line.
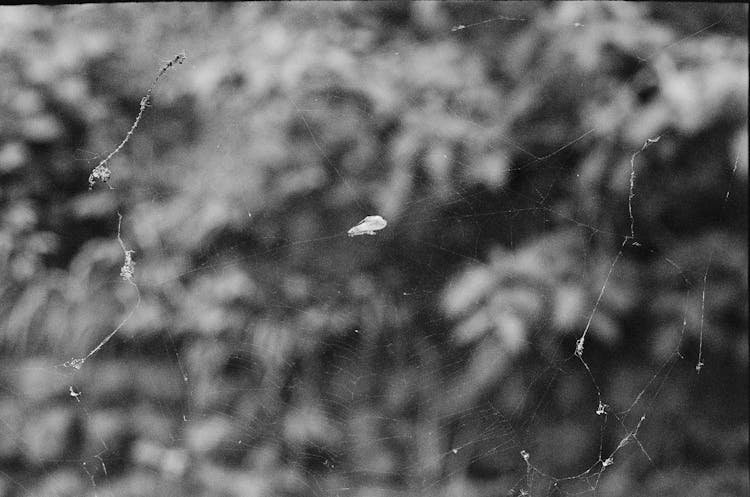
pixel 270 354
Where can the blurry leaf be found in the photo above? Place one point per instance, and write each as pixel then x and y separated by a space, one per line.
pixel 308 425
pixel 511 331
pixel 489 169
pixel 12 156
pixel 276 342
pixel 468 289
pixel 19 217
pixel 488 363
pixel 41 128
pixel 212 437
pixel 473 327
pixel 569 307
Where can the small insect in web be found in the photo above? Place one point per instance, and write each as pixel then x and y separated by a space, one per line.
pixel 368 226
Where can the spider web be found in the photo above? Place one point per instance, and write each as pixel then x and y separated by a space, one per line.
pixel 464 349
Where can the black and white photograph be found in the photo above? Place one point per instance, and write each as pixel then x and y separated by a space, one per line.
pixel 374 249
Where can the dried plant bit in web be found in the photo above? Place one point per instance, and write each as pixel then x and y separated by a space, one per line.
pixel 368 226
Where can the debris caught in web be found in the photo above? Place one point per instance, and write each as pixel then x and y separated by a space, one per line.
pixel 102 173
pixel 368 226
pixel 74 394
pixel 127 271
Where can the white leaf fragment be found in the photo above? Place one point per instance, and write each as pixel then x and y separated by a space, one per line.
pixel 368 226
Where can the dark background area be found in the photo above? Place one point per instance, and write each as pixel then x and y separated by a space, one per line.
pixel 268 354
